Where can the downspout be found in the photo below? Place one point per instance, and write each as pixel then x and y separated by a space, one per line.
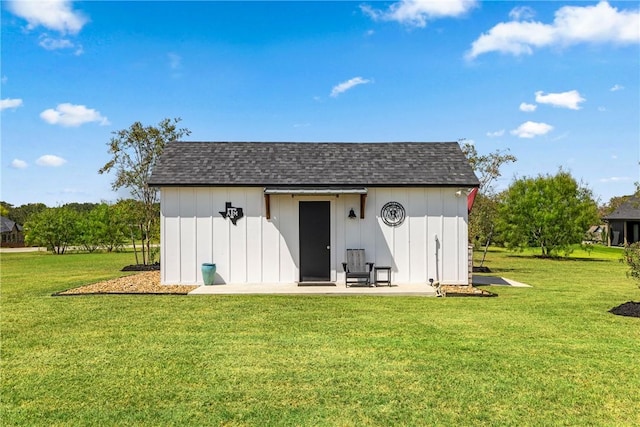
pixel 435 236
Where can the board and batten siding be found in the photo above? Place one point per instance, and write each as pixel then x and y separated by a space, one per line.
pixel 431 242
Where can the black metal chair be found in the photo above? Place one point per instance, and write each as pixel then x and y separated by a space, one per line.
pixel 357 270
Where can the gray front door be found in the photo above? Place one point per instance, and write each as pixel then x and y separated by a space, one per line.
pixel 315 240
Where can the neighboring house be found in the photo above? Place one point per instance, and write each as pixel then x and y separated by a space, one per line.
pixel 624 223
pixel 287 212
pixel 596 234
pixel 12 233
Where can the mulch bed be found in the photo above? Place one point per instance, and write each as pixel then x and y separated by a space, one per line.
pixel 630 309
pixel 147 282
pixel 465 291
pixel 142 267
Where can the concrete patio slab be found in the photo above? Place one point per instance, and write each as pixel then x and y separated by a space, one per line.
pixel 331 288
pixel 517 284
pixel 415 289
pixel 497 281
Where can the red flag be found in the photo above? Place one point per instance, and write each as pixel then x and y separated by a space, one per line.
pixel 471 198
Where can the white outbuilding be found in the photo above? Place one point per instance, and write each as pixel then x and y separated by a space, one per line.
pixel 268 212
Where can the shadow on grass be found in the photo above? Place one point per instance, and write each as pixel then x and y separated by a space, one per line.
pixel 558 258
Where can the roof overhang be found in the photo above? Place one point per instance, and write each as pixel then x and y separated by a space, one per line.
pixel 315 190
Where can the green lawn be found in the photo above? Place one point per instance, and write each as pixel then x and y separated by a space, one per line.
pixel 546 355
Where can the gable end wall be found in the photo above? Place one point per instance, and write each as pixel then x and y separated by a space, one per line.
pixel 431 243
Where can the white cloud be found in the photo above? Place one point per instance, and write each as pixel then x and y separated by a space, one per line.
pixel 528 108
pixel 522 13
pixel 50 160
pixel 345 86
pixel 531 129
pixel 616 88
pixel 7 103
pixel 50 43
pixel 416 13
pixel 57 15
pixel 512 37
pixel 69 115
pixel 54 44
pixel 600 23
pixel 4 79
pixel 616 179
pixel 496 133
pixel 570 99
pixel 18 164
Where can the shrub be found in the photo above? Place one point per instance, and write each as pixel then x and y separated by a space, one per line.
pixel 631 257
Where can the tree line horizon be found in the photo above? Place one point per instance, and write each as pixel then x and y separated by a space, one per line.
pixel 549 211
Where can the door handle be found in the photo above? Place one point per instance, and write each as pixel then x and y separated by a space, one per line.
pixel 328 247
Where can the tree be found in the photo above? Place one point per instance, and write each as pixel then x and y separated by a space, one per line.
pixel 482 220
pixel 135 152
pixel 104 226
pixel 551 212
pixel 632 257
pixel 130 211
pixel 88 232
pixel 81 208
pixel 23 213
pixel 487 166
pixel 483 216
pixel 113 231
pixel 55 228
pixel 5 208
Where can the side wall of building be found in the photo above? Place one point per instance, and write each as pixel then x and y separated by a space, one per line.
pixel 431 243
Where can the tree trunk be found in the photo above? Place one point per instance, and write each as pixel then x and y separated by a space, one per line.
pixel 142 248
pixel 148 244
pixel 545 251
pixel 133 241
pixel 486 247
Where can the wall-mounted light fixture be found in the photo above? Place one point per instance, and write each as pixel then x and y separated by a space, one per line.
pixel 352 214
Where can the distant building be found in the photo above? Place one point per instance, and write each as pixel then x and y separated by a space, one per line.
pixel 596 234
pixel 12 233
pixel 624 223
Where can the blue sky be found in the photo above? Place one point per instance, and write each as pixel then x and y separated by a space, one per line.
pixel 556 83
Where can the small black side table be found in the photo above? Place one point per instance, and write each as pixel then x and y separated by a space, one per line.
pixel 376 277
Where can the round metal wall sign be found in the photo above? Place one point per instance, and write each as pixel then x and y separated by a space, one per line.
pixel 392 214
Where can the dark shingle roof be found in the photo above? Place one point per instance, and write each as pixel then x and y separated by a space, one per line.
pixel 312 164
pixel 629 210
pixel 6 225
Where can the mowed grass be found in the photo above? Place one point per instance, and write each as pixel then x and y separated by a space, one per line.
pixel 546 355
